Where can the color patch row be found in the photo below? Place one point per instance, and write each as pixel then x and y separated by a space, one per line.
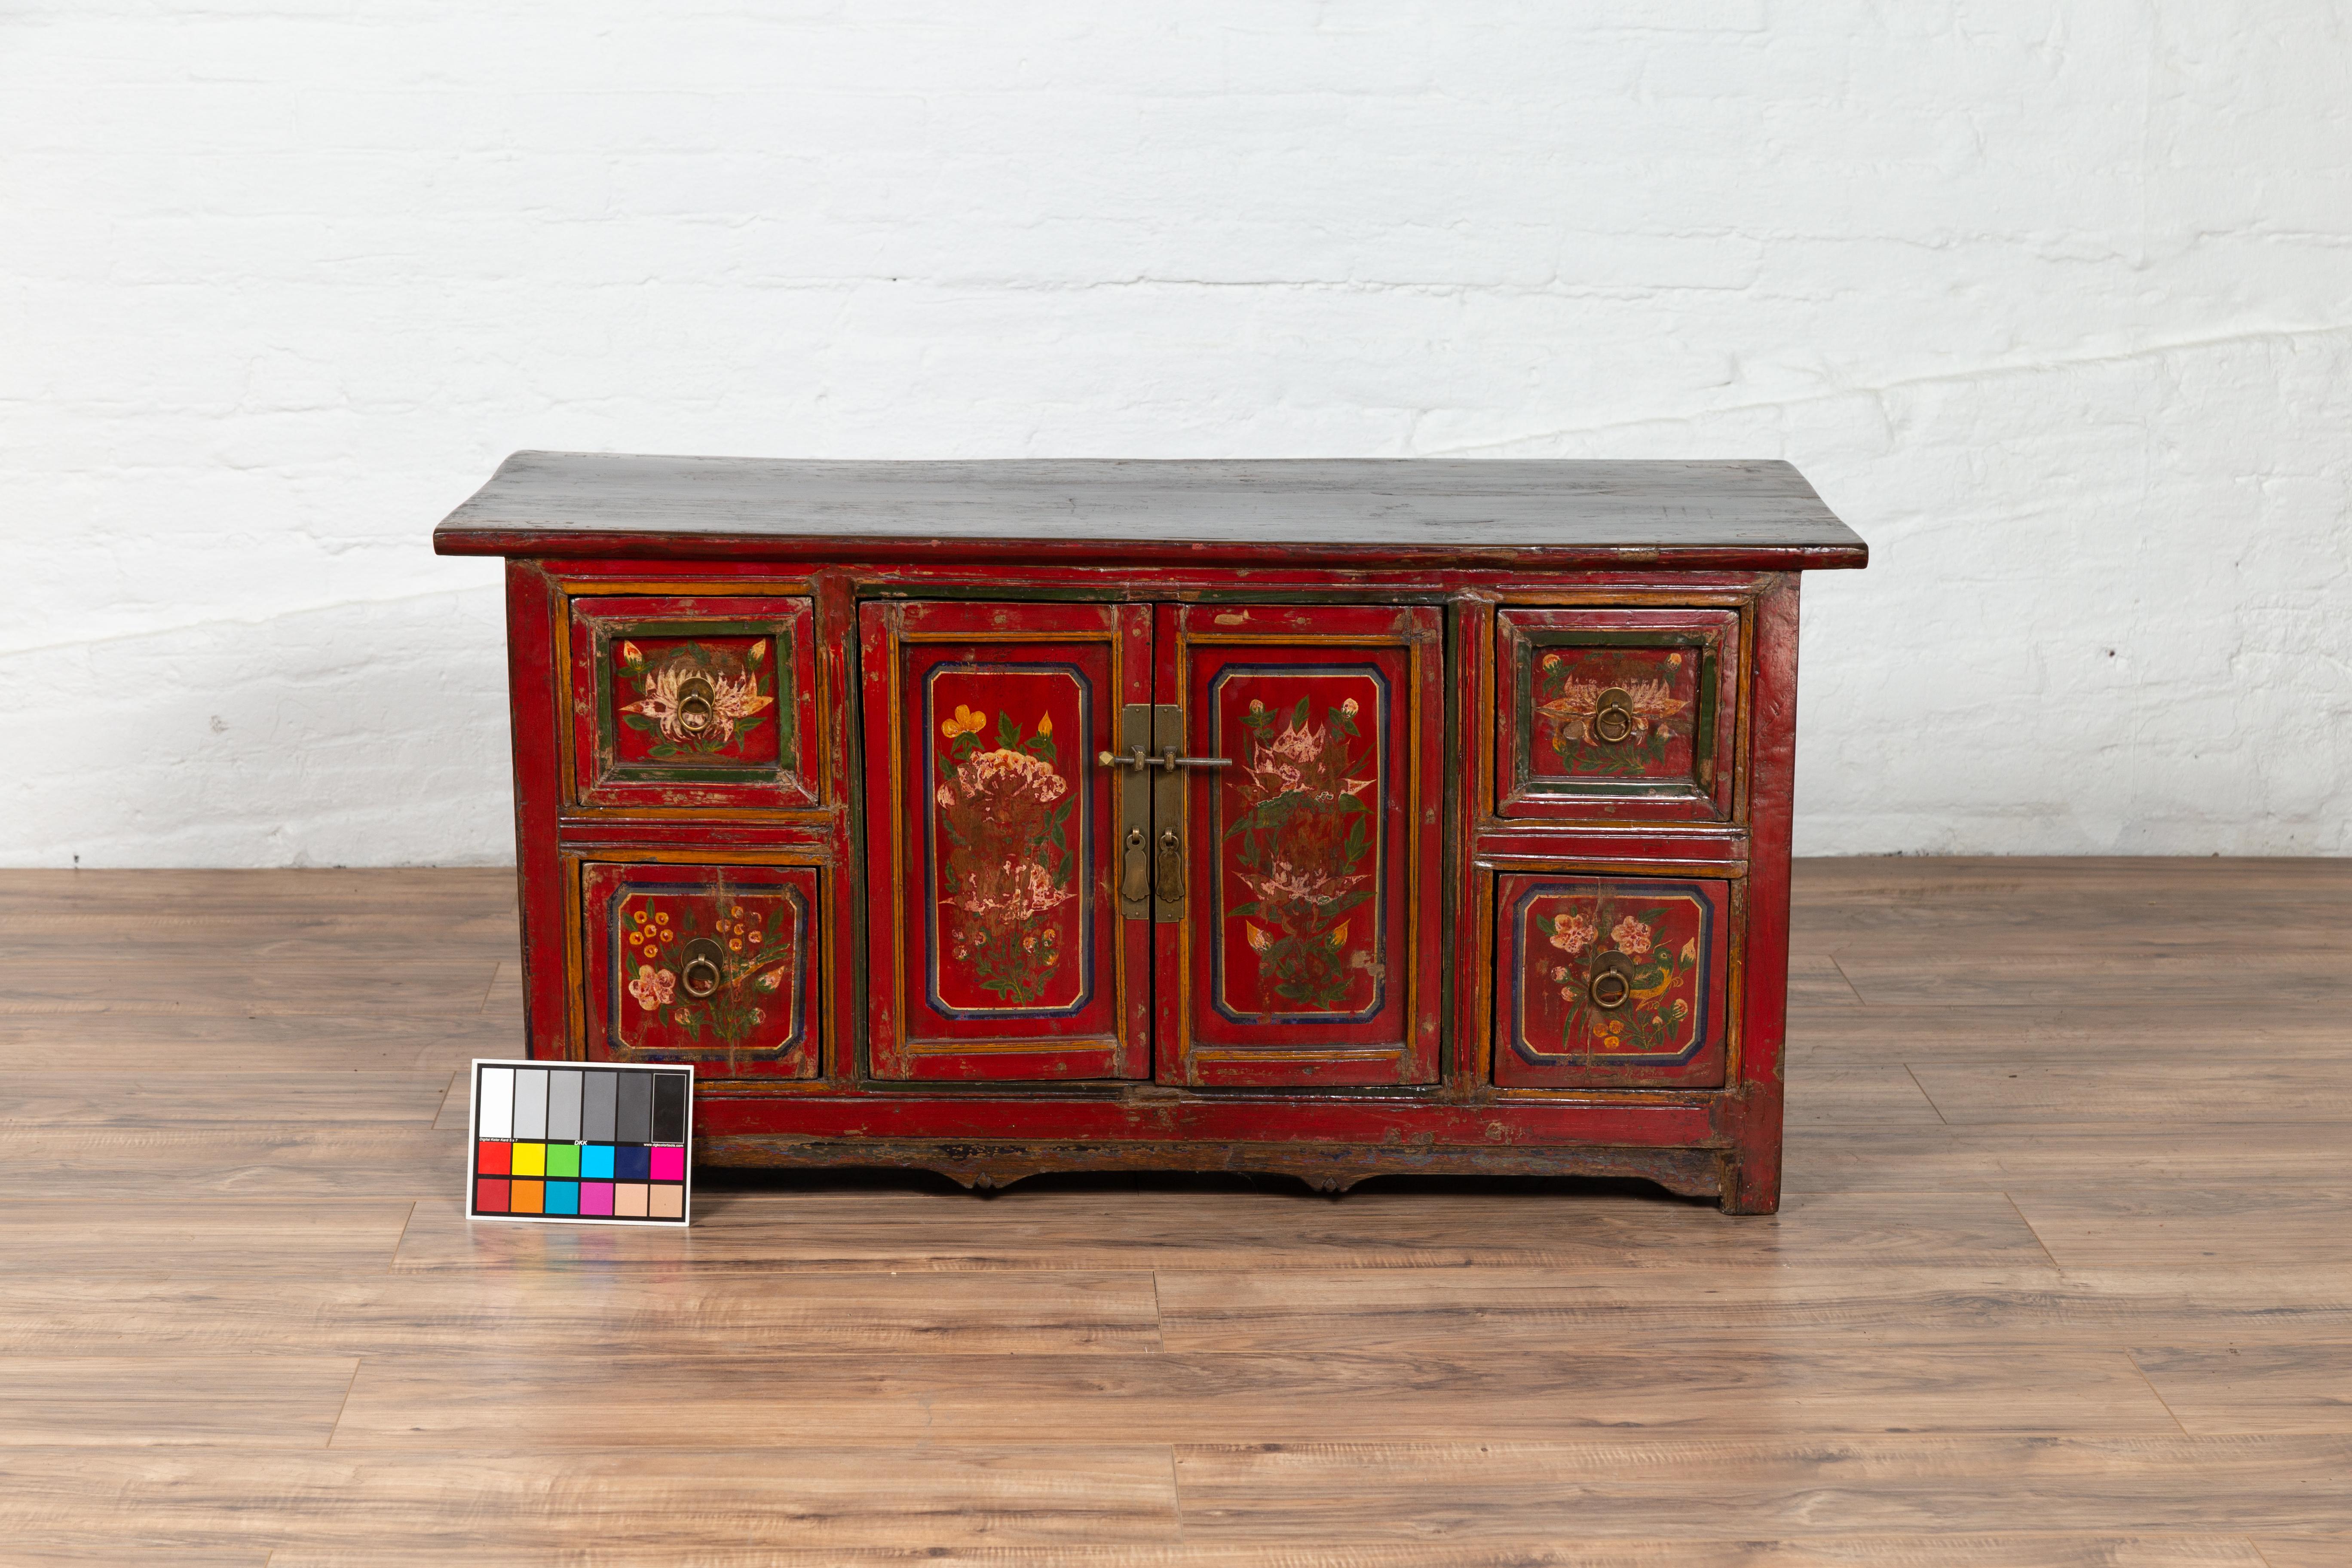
pixel 592 1162
pixel 575 1105
pixel 600 1200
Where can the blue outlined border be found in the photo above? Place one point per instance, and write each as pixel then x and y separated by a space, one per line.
pixel 804 924
pixel 1650 886
pixel 1379 848
pixel 1083 839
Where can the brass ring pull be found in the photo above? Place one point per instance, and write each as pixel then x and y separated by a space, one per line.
pixel 1614 721
pixel 698 705
pixel 1609 990
pixel 699 975
pixel 1172 868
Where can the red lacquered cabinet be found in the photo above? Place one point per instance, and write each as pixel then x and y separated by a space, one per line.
pixel 1332 818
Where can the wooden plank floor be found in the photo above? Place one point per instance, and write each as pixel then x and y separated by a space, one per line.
pixel 2065 1277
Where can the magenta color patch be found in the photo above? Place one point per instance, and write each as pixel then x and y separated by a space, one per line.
pixel 596 1197
pixel 669 1165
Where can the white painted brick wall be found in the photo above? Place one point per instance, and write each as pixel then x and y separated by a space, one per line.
pixel 2053 301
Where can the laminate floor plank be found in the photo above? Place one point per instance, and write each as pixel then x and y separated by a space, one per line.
pixel 459 1398
pixel 2242 1088
pixel 497 1504
pixel 2242 1226
pixel 451 988
pixel 646 1314
pixel 113 1551
pixel 1565 1548
pixel 2333 1550
pixel 2127 983
pixel 1863 1159
pixel 221 1098
pixel 115 1402
pixel 1282 1227
pixel 1815 981
pixel 2108 881
pixel 2264 1388
pixel 432 893
pixel 457 1101
pixel 95 1041
pixel 1768 1489
pixel 2187 1030
pixel 142 1166
pixel 1855 1094
pixel 1424 1312
pixel 81 1237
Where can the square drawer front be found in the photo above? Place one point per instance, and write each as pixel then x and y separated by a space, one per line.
pixel 715 964
pixel 694 704
pixel 1616 714
pixel 1611 981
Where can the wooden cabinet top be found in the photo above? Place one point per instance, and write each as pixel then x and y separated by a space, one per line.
pixel 1594 515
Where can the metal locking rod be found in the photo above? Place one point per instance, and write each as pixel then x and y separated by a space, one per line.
pixel 1168 759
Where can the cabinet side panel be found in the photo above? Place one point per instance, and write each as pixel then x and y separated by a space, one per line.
pixel 836 625
pixel 533 693
pixel 1753 1114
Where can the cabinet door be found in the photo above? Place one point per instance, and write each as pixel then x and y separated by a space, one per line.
pixel 1611 981
pixel 997 947
pixel 1304 947
pixel 702 962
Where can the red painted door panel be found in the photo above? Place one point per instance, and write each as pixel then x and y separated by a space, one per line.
pixel 1304 950
pixel 717 964
pixel 694 704
pixel 1616 714
pixel 1611 981
pixel 997 948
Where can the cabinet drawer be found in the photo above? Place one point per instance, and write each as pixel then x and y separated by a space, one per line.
pixel 1616 714
pixel 711 963
pixel 693 703
pixel 1611 981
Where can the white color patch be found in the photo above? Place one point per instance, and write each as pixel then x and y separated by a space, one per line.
pixel 494 1112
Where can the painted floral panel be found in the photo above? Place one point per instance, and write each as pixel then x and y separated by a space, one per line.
pixel 1615 712
pixel 1607 970
pixel 1007 838
pixel 1299 832
pixel 698 701
pixel 698 967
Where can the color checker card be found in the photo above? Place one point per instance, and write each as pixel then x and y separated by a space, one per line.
pixel 585 1145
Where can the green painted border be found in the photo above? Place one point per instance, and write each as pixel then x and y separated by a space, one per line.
pixel 787 704
pixel 1523 698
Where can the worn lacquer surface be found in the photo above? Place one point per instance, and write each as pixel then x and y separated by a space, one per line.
pixel 1753 515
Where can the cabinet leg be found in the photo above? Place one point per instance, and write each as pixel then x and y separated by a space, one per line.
pixel 1751 1180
